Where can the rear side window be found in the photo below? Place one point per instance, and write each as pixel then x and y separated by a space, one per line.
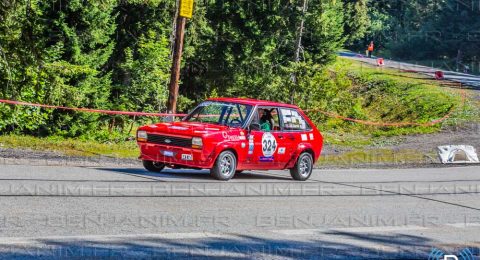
pixel 292 120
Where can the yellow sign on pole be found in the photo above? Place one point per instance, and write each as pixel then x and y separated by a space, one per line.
pixel 186 8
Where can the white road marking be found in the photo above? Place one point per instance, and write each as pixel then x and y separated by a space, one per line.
pixel 463 225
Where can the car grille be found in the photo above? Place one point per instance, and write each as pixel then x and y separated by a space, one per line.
pixel 169 140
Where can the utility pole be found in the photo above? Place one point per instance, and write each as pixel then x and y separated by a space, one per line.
pixel 177 60
pixel 186 10
pixel 298 48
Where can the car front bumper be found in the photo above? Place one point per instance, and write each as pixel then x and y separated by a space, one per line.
pixel 178 156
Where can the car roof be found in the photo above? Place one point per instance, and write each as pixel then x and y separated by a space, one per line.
pixel 253 102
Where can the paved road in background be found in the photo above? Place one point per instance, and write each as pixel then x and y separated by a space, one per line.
pixel 466 79
pixel 59 211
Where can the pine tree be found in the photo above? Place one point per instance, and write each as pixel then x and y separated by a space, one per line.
pixel 356 20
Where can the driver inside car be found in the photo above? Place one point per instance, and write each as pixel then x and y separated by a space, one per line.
pixel 266 124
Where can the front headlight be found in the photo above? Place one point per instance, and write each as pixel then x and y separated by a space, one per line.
pixel 142 136
pixel 197 142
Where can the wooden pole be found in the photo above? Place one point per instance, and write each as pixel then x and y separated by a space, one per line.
pixel 177 59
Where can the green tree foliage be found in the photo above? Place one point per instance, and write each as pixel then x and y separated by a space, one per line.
pixel 55 52
pixel 248 47
pixel 427 29
pixel 81 54
pixel 445 33
pixel 115 54
pixel 140 62
pixel 356 20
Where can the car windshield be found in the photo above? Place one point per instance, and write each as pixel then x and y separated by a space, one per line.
pixel 222 113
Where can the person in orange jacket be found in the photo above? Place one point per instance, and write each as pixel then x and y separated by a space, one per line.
pixel 370 49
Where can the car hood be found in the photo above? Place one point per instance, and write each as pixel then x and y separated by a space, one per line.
pixel 184 128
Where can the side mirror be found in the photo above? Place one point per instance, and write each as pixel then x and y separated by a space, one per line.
pixel 254 126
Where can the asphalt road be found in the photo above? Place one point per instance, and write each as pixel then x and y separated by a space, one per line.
pixel 63 212
pixel 466 79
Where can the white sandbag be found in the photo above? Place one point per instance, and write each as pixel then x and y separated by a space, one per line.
pixel 457 154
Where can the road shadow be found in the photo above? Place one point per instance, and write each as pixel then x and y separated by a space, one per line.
pixel 193 174
pixel 334 245
pixel 249 175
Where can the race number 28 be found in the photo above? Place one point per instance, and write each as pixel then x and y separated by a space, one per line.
pixel 269 144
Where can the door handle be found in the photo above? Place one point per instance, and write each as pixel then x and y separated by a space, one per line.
pixel 280 136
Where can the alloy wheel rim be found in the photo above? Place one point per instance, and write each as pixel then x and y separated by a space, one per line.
pixel 227 165
pixel 305 166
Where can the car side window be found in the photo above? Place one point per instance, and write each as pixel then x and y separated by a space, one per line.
pixel 267 118
pixel 293 120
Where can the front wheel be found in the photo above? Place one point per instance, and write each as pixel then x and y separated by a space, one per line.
pixel 153 166
pixel 303 168
pixel 225 166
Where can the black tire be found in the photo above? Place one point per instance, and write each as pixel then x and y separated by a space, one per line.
pixel 225 166
pixel 303 167
pixel 153 166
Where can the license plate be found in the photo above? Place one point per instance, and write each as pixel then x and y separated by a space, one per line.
pixel 168 153
pixel 187 157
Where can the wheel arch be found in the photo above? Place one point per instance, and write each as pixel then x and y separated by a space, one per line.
pixel 301 149
pixel 217 172
pixel 298 172
pixel 308 150
pixel 227 148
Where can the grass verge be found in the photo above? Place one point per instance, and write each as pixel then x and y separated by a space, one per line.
pixel 71 147
pixel 385 95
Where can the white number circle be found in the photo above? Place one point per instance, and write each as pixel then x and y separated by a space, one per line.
pixel 269 144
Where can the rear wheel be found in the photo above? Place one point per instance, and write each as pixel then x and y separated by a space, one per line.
pixel 303 168
pixel 225 166
pixel 153 166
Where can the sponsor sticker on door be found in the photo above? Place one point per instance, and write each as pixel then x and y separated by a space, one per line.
pixel 269 144
pixel 266 158
pixel 250 144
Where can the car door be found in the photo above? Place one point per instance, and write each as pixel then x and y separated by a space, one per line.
pixel 263 144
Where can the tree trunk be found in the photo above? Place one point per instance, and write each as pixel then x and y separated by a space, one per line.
pixel 298 48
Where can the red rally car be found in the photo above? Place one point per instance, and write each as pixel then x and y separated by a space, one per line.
pixel 229 135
